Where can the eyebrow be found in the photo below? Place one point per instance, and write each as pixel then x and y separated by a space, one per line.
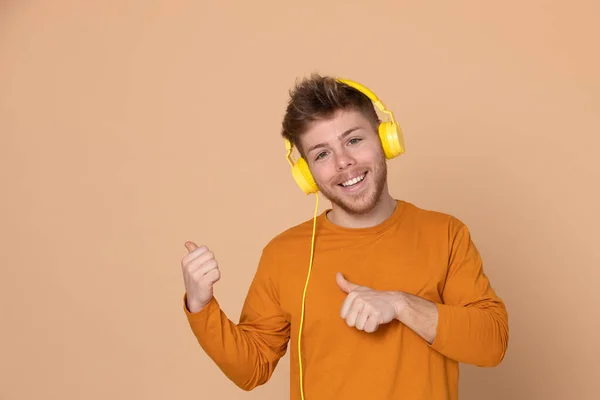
pixel 343 135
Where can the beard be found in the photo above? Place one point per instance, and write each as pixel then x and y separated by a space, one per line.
pixel 365 201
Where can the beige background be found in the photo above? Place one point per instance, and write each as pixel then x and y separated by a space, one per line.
pixel 128 127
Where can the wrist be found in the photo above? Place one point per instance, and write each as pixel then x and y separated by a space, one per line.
pixel 194 306
pixel 400 303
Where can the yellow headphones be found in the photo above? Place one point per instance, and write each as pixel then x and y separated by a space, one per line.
pixel 392 142
pixel 390 135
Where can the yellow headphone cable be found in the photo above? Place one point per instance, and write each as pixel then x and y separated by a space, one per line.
pixel 312 249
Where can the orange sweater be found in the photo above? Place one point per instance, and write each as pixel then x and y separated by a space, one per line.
pixel 425 253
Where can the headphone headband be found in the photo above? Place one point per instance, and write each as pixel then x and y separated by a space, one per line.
pixel 360 88
pixel 364 90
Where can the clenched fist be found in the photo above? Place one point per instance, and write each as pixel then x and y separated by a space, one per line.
pixel 200 272
pixel 366 308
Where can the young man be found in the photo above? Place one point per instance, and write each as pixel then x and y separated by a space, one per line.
pixel 396 297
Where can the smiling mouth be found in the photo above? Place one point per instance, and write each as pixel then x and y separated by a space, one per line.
pixel 353 181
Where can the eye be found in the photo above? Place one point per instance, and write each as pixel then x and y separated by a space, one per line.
pixel 320 155
pixel 354 141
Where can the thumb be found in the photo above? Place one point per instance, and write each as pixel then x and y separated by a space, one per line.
pixel 345 285
pixel 191 246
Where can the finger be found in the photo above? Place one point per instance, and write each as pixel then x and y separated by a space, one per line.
pixel 354 313
pixel 207 258
pixel 347 304
pixel 344 284
pixel 371 324
pixel 194 251
pixel 201 267
pixel 204 268
pixel 213 275
pixel 361 318
pixel 191 246
pixel 210 277
pixel 197 257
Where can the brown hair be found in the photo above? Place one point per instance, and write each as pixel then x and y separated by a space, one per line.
pixel 319 97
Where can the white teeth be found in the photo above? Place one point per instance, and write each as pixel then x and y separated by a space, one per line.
pixel 353 181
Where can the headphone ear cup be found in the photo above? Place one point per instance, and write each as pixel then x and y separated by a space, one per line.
pixel 303 177
pixel 391 138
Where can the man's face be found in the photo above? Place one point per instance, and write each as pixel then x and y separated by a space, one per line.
pixel 346 160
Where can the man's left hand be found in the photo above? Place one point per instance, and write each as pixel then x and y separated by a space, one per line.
pixel 366 308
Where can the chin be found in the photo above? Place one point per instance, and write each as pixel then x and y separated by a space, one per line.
pixel 356 207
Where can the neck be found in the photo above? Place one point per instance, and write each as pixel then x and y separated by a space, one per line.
pixel 383 210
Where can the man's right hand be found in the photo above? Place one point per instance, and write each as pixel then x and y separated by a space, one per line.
pixel 200 272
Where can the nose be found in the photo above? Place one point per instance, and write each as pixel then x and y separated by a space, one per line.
pixel 343 160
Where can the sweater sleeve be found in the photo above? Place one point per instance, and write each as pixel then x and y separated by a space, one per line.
pixel 246 352
pixel 472 319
